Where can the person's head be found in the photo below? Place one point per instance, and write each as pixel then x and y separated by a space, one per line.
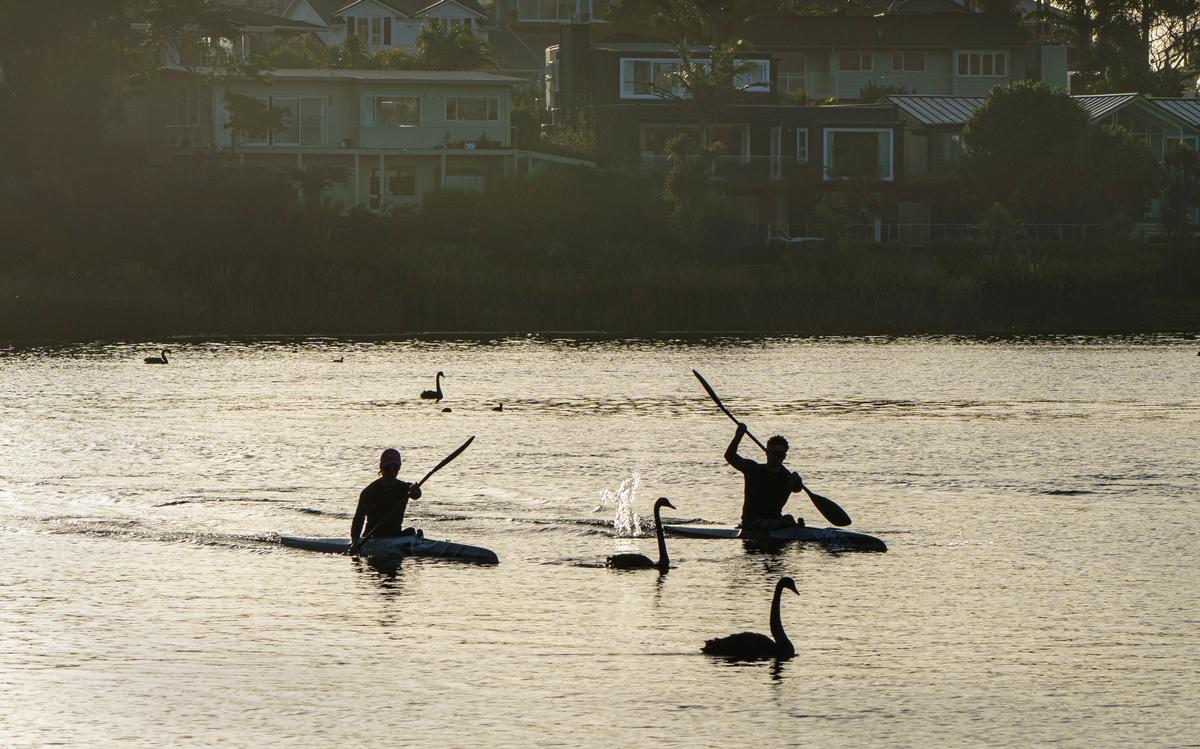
pixel 389 462
pixel 777 448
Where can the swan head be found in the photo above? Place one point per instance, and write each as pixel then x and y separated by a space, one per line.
pixel 663 502
pixel 440 374
pixel 790 584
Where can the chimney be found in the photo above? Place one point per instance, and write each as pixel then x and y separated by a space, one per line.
pixel 574 67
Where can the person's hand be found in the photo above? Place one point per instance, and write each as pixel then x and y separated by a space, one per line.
pixel 741 428
pixel 799 481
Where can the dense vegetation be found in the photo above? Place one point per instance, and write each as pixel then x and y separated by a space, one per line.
pixel 240 252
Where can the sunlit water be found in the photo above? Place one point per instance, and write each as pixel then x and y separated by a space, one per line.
pixel 1038 498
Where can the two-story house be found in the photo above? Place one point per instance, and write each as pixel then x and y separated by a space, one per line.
pixel 385 24
pixel 388 137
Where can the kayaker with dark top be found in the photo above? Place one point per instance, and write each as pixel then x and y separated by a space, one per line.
pixel 382 504
pixel 768 485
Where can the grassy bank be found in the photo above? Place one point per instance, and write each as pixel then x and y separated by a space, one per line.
pixel 250 258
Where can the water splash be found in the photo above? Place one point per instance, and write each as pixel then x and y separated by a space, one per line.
pixel 626 521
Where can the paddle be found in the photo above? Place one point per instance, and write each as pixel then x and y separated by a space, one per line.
pixel 827 507
pixel 366 536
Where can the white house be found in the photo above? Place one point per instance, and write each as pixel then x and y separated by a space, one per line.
pixel 388 136
pixel 384 24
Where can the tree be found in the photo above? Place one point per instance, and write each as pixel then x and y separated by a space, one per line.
pixel 456 48
pixel 1181 193
pixel 1031 149
pixel 1020 150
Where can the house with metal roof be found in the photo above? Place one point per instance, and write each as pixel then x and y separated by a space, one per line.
pixel 387 137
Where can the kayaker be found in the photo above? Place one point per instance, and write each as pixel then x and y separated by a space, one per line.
pixel 382 504
pixel 768 485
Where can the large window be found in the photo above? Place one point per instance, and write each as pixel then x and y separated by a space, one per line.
pixel 553 10
pixel 649 79
pixel 473 108
pixel 400 182
pixel 303 119
pixel 855 61
pixel 858 153
pixel 802 145
pixel 756 78
pixel 982 64
pixel 392 111
pixel 908 62
pixel 732 137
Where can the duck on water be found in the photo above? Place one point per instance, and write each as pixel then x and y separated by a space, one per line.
pixel 434 394
pixel 641 561
pixel 752 645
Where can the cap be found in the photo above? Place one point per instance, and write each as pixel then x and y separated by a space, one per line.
pixel 390 457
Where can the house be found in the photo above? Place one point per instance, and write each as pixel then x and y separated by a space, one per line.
pixel 932 126
pixel 385 24
pixel 388 137
pixel 778 159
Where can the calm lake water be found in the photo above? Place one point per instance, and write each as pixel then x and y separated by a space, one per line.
pixel 1039 500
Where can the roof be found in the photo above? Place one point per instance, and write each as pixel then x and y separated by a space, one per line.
pixel 890 30
pixel 1100 105
pixel 956 110
pixel 1187 110
pixel 330 10
pixel 939 110
pixel 249 19
pixel 412 76
pixel 511 53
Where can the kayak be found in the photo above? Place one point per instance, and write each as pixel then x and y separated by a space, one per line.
pixel 398 546
pixel 829 536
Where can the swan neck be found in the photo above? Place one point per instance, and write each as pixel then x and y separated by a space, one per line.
pixel 782 643
pixel 663 561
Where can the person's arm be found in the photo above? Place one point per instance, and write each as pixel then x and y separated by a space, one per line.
pixel 795 483
pixel 731 452
pixel 360 516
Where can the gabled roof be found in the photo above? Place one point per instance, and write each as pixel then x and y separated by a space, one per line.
pixel 249 19
pixel 939 110
pixel 1101 105
pixel 924 7
pixel 956 110
pixel 511 52
pixel 1187 110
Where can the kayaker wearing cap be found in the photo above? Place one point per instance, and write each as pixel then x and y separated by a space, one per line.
pixel 768 485
pixel 382 504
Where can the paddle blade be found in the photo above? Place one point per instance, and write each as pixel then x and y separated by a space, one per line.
pixel 830 509
pixel 447 459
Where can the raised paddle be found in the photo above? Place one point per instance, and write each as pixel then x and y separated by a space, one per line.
pixel 827 507
pixel 366 536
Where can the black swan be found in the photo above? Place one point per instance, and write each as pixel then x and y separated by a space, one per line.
pixel 157 359
pixel 434 394
pixel 498 407
pixel 748 645
pixel 641 561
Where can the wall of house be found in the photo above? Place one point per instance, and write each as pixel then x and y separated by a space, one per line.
pixel 345 120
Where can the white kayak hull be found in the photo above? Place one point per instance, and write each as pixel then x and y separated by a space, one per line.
pixel 829 536
pixel 399 546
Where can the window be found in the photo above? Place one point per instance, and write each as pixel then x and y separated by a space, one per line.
pixel 391 111
pixel 802 145
pixel 649 79
pixel 985 64
pixel 303 119
pixel 364 28
pixel 732 137
pixel 553 10
pixel 951 147
pixel 474 108
pixel 451 24
pixel 188 110
pixel 908 62
pixel 855 61
pixel 858 153
pixel 756 80
pixel 401 182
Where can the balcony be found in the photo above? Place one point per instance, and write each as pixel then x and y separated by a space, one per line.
pixel 738 170
pixel 815 85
